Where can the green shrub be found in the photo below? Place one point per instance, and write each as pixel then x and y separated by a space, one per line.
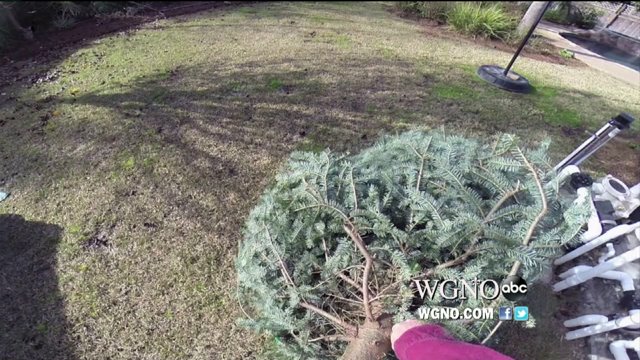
pixel 588 19
pixel 567 14
pixel 566 54
pixel 557 16
pixel 477 20
pixel 432 10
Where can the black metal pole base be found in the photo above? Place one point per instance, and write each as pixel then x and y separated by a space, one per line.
pixel 512 81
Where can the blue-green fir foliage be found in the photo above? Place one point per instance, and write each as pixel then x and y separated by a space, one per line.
pixel 426 205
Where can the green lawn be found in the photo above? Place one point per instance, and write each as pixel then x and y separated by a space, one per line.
pixel 136 167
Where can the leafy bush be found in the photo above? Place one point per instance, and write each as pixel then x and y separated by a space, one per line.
pixel 330 251
pixel 588 19
pixel 432 10
pixel 567 14
pixel 557 16
pixel 566 54
pixel 477 20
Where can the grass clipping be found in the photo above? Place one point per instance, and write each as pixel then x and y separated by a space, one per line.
pixel 330 251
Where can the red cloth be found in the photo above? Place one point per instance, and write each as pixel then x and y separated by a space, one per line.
pixel 432 342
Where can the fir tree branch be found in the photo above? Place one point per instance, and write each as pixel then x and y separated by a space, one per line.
pixel 457 261
pixel 349 280
pixel 543 210
pixel 353 188
pixel 332 338
pixel 352 329
pixel 368 265
pixel 473 249
pixel 283 268
pixel 341 275
pixel 500 202
pixel 419 178
pixel 462 188
pixel 304 304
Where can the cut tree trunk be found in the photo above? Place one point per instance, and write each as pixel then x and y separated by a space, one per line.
pixel 373 341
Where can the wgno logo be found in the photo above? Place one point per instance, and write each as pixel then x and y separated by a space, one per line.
pixel 513 288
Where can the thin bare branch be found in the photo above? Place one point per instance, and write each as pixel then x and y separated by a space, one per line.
pixel 493 331
pixel 536 221
pixel 353 188
pixel 352 329
pixel 332 338
pixel 500 202
pixel 368 265
pixel 343 299
pixel 326 250
pixel 472 250
pixel 283 268
pixel 348 280
pixel 304 304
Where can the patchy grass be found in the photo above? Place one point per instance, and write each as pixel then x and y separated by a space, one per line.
pixel 275 84
pixel 457 92
pixel 135 187
pixel 548 101
pixel 342 41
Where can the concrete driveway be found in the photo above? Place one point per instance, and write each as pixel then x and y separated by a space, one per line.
pixel 604 64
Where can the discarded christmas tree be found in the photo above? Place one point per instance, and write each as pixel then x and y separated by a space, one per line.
pixel 331 250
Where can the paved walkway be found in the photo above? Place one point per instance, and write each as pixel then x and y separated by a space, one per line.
pixel 624 73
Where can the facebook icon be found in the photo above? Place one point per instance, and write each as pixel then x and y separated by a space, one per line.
pixel 505 313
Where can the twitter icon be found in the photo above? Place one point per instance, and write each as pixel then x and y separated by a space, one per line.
pixel 521 313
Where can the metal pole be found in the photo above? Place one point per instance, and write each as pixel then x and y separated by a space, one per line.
pixel 526 38
pixel 596 141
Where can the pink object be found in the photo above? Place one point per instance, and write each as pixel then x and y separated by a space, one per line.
pixel 432 342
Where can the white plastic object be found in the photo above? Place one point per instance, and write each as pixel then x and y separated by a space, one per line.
pixel 586 320
pixel 630 321
pixel 625 279
pixel 606 237
pixel 594 228
pixel 598 270
pixel 619 348
pixel 610 252
pixel 623 199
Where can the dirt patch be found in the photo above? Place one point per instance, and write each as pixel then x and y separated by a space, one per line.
pixel 99 240
pixel 544 341
pixel 621 156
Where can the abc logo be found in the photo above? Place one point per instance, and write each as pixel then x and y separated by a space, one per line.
pixel 513 288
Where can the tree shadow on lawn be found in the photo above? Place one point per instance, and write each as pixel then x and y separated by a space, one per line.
pixel 214 122
pixel 32 317
pixel 205 141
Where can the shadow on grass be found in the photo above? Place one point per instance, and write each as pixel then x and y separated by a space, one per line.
pixel 33 322
pixel 206 140
pixel 262 110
